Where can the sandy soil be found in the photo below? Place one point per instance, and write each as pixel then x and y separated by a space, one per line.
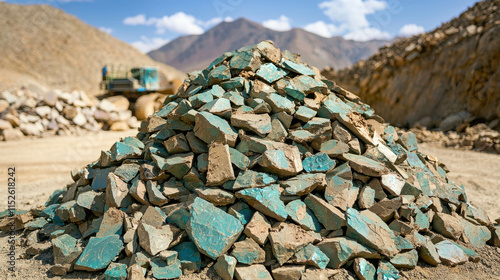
pixel 44 165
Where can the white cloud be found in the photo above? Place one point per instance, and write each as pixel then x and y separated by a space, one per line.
pixel 280 24
pixel 411 29
pixel 349 18
pixel 146 44
pixel 180 23
pixel 367 34
pixel 324 29
pixel 106 29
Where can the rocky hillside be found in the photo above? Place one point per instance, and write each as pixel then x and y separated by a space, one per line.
pixel 452 70
pixel 43 45
pixel 197 51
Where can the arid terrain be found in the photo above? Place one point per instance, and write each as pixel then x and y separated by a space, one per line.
pixel 44 165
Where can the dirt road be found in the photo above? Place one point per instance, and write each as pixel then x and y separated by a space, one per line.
pixel 44 165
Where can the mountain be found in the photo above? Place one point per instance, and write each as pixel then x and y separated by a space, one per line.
pixel 197 51
pixel 44 46
pixel 438 77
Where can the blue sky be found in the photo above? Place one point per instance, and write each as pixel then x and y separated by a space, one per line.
pixel 149 24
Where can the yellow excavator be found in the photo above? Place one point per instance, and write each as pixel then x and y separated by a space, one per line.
pixel 137 88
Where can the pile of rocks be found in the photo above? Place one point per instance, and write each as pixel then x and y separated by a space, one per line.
pixel 28 113
pixel 479 137
pixel 262 169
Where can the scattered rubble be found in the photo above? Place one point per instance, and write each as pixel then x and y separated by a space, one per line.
pixel 38 114
pixel 259 189
pixel 479 137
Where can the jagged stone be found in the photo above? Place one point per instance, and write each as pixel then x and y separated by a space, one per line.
pixel 248 252
pixel 253 272
pixel 189 256
pixel 65 249
pixel 311 255
pixel 342 249
pixel 99 253
pixel 258 228
pixel 116 271
pixel 301 214
pixel 328 215
pixel 161 270
pixel 219 165
pixel 288 272
pixel 112 223
pixel 364 269
pixel 303 184
pixel 252 179
pixel 225 267
pixel 284 161
pixel 386 271
pixel 370 230
pixel 216 238
pixel 405 260
pixel 154 240
pixel 266 200
pixel 319 162
pixel 450 254
pixel 286 239
pixel 365 165
pixel 217 197
pixel 447 225
pixel 211 128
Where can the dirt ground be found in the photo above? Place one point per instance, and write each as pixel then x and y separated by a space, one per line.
pixel 44 165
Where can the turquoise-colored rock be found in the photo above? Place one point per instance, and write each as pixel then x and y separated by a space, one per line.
pixel 100 180
pixel 253 179
pixel 305 113
pixel 405 260
pixel 280 104
pixel 473 256
pixel 202 160
pixel 166 110
pixel 120 151
pixel 386 271
pixel 212 239
pixel 134 142
pixel 319 162
pixel 248 252
pixel 298 68
pixel 266 200
pixel 328 215
pixel 242 212
pixel 300 86
pixel 450 254
pixel 65 249
pixel 366 165
pixel 155 196
pixel 201 99
pixel 426 249
pixel 178 125
pixel 332 107
pixel 301 136
pixel 270 73
pixel 221 59
pixel 179 164
pixel 127 172
pixel 53 198
pixel 233 83
pixel 225 266
pixel 161 270
pixel 219 74
pixel 334 148
pixel 91 200
pixel 236 98
pixel 99 253
pixel 179 217
pixel 312 255
pixel 476 234
pixel 189 256
pixel 245 60
pixel 299 213
pixel 211 128
pixel 163 134
pixel 35 224
pixel 239 159
pixel 217 106
pixel 48 212
pixel 409 141
pixel 402 243
pixel 116 271
pixel 364 269
pixel 169 257
pixel 303 184
pixel 370 230
pixel 342 249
